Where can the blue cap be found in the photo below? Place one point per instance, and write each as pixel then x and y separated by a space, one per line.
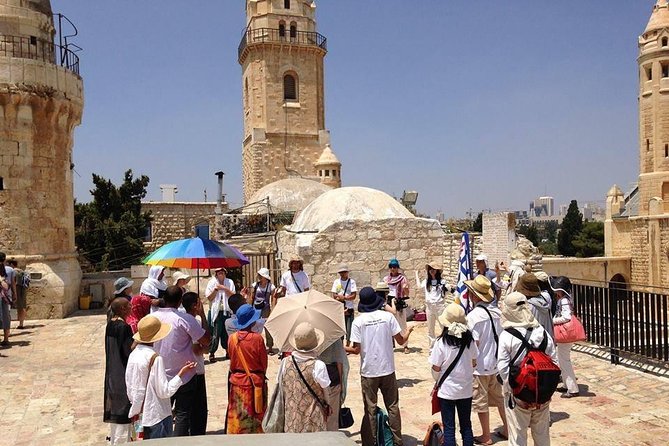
pixel 394 263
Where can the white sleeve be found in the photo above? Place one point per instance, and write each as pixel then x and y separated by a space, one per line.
pixel 395 326
pixel 355 332
pixel 210 288
pixel 564 312
pixel 282 281
pixel 307 282
pixel 321 374
pixel 232 286
pixel 158 379
pixel 437 354
pixel 334 286
pixel 504 357
pixel 354 287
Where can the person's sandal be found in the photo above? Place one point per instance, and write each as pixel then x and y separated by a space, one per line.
pixel 478 440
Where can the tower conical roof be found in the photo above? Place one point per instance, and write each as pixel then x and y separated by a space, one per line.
pixel 659 19
pixel 327 157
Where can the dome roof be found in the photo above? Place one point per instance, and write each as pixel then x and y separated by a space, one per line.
pixel 614 191
pixel 327 157
pixel 288 195
pixel 348 203
pixel 660 17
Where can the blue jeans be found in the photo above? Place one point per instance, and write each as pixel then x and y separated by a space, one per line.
pixel 160 430
pixel 464 408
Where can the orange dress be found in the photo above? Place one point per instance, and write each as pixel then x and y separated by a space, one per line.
pixel 241 418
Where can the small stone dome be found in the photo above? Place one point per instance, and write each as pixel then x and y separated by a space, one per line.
pixel 327 158
pixel 348 203
pixel 614 191
pixel 288 195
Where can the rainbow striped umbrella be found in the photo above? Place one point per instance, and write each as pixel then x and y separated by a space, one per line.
pixel 196 253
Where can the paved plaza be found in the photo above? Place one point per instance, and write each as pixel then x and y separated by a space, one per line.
pixel 52 378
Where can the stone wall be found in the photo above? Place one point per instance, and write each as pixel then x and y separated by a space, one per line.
pixel 366 247
pixel 174 221
pixel 595 270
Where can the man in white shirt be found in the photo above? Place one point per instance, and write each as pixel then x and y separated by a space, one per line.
pixel 523 416
pixel 372 336
pixel 218 290
pixel 345 290
pixel 484 323
pixel 148 387
pixel 295 280
pixel 177 348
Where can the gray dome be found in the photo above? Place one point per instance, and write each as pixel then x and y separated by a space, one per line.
pixel 348 203
pixel 288 195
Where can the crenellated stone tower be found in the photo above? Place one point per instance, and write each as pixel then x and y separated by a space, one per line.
pixel 282 57
pixel 41 103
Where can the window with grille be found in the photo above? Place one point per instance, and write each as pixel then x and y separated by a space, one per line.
pixel 289 88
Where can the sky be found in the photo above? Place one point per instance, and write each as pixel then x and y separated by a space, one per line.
pixel 476 105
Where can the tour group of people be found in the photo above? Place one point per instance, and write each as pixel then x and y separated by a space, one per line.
pixel 14 283
pixel 156 342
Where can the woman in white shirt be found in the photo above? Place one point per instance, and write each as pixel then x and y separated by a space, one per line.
pixel 561 287
pixel 435 289
pixel 455 347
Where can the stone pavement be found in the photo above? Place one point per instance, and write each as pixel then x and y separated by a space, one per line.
pixel 52 376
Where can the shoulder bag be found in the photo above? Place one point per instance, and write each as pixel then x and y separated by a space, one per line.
pixel 258 397
pixel 435 398
pixel 570 331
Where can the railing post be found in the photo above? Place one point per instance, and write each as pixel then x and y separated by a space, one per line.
pixel 613 318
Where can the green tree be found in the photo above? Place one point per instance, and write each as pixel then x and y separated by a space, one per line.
pixel 548 248
pixel 549 230
pixel 590 241
pixel 530 232
pixel 110 230
pixel 569 230
pixel 477 225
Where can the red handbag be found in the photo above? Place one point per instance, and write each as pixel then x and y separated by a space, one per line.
pixel 570 331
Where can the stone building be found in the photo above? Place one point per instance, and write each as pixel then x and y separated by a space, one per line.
pixel 282 58
pixel 41 99
pixel 637 224
pixel 363 228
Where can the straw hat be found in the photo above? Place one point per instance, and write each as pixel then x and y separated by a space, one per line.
pixel 542 276
pixel 264 272
pixel 528 284
pixel 433 265
pixel 296 260
pixel 482 287
pixel 306 338
pixel 516 312
pixel 150 330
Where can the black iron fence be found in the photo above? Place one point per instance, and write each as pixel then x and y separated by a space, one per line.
pixel 39 49
pixel 287 36
pixel 629 323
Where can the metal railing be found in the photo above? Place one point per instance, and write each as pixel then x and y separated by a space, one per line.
pixel 629 323
pixel 271 35
pixel 39 49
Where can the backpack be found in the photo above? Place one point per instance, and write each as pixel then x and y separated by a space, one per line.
pixel 4 291
pixel 434 435
pixel 533 381
pixel 23 280
pixel 384 436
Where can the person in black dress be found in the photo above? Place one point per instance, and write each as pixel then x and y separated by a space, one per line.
pixel 118 345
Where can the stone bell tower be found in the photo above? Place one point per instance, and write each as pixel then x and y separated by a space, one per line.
pixel 654 110
pixel 41 102
pixel 282 56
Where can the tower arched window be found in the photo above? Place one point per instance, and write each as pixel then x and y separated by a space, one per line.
pixel 290 87
pixel 246 92
pixel 293 30
pixel 286 4
pixel 282 29
pixel 665 41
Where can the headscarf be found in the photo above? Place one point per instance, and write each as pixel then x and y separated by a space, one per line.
pixel 151 285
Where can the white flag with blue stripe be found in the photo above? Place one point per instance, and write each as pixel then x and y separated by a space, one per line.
pixel 464 272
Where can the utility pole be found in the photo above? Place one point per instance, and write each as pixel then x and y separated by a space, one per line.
pixel 218 219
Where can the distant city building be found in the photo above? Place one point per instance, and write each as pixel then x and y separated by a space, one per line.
pixel 563 209
pixel 542 207
pixel 522 218
pixel 593 212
